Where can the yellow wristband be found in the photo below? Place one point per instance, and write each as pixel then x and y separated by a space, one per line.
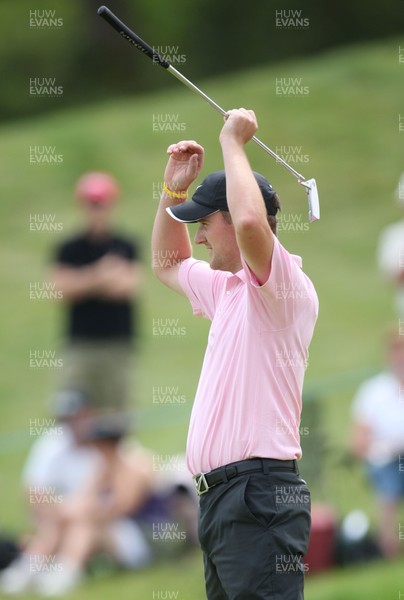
pixel 180 195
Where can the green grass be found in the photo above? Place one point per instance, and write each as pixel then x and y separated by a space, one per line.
pixel 348 126
pixel 184 580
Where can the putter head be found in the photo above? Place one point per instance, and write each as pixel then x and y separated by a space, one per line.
pixel 312 195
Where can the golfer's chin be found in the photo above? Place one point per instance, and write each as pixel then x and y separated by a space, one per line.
pixel 217 265
pixel 213 263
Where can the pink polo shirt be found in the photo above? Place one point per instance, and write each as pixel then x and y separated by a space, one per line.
pixel 249 397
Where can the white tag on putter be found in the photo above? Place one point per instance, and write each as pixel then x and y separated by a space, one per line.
pixel 312 195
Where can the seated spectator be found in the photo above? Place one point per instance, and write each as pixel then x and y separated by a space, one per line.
pixel 390 254
pixel 81 482
pixel 378 439
pixel 90 491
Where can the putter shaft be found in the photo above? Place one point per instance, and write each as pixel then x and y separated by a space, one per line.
pixel 219 109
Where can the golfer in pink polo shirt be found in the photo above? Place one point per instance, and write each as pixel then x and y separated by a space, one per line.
pixel 243 440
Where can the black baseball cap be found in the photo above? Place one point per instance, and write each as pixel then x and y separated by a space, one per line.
pixel 210 197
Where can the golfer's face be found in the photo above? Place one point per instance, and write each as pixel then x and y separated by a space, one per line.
pixel 220 240
pixel 98 215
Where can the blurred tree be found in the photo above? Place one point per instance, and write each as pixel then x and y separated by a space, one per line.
pixel 205 37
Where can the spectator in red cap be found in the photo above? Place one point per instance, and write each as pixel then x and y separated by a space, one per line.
pixel 99 275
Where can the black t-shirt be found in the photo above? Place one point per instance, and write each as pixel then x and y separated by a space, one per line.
pixel 98 318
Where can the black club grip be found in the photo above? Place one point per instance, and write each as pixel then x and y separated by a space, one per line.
pixel 131 36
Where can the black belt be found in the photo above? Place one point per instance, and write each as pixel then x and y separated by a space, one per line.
pixel 204 481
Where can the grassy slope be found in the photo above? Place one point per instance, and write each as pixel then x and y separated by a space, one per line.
pixel 347 124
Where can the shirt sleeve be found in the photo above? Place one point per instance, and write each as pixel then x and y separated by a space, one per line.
pixel 363 404
pixel 40 458
pixel 65 254
pixel 130 249
pixel 390 251
pixel 287 295
pixel 201 286
pixel 126 248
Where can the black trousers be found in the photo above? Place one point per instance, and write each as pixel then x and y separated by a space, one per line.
pixel 254 531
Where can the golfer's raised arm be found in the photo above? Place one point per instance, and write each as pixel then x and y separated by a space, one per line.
pixel 247 209
pixel 170 239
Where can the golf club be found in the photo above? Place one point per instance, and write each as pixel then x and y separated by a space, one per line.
pixel 133 38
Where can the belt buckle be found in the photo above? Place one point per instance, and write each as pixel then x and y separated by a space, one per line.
pixel 201 484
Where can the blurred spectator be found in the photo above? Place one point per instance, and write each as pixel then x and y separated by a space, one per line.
pixel 378 438
pixel 390 254
pixel 81 482
pixel 61 460
pixel 89 490
pixel 99 275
